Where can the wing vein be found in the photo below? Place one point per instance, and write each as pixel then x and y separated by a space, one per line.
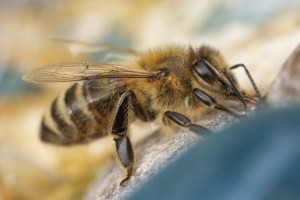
pixel 67 72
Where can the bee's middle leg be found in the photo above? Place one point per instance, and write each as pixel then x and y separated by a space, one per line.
pixel 184 121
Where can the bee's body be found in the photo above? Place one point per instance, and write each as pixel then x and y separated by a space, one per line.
pixel 84 111
pixel 171 84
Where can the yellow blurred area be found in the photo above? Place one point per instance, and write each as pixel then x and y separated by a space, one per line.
pixel 259 35
pixel 30 169
pixel 29 28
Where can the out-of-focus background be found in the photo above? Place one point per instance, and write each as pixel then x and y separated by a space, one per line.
pixel 260 34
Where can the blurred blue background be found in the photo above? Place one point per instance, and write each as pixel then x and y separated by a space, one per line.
pixel 258 158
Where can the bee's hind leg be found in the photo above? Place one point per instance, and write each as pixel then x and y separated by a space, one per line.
pixel 126 156
pixel 122 141
pixel 183 121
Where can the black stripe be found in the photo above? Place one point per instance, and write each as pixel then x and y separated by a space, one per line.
pixel 103 99
pixel 101 103
pixel 89 93
pixel 74 106
pixel 67 130
pixel 48 135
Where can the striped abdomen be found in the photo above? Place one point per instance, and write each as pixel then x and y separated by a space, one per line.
pixel 80 114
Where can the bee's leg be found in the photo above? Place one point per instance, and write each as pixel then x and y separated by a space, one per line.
pixel 209 101
pixel 122 141
pixel 183 121
pixel 126 156
pixel 250 78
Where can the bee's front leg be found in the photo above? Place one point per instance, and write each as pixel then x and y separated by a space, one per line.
pixel 122 141
pixel 258 95
pixel 183 121
pixel 209 101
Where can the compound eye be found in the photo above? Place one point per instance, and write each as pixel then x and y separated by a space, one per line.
pixel 204 71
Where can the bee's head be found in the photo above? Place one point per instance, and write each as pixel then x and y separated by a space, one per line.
pixel 210 71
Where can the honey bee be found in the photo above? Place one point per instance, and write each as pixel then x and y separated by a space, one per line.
pixel 172 85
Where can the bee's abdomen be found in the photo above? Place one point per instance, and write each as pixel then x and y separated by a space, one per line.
pixel 75 117
pixel 75 108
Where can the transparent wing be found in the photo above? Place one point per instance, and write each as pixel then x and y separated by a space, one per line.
pixel 108 83
pixel 77 71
